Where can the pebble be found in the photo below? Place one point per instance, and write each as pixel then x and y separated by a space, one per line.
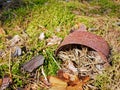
pixel 18 51
pixel 34 63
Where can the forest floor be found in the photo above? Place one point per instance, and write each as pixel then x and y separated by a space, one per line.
pixel 29 18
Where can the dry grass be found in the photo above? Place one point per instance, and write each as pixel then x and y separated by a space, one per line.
pixel 87 61
pixel 36 16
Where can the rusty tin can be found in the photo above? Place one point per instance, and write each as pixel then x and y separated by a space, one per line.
pixel 82 37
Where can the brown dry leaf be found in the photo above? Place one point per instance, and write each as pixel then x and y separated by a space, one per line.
pixel 33 86
pixel 57 87
pixel 57 81
pixel 44 82
pixel 54 40
pixel 2 31
pixel 85 79
pixel 57 84
pixel 75 87
pixel 71 79
pixel 0 82
pixel 76 84
pixel 16 40
pixel 74 80
pixel 5 82
pixel 68 77
pixel 63 75
pixel 42 36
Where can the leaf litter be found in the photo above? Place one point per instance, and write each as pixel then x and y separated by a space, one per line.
pixel 79 66
pixel 42 36
pixel 5 82
pixel 54 40
pixel 71 69
pixel 82 62
pixel 16 40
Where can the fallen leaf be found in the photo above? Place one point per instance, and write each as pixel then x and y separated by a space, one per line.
pixel 56 81
pixel 31 86
pixel 5 82
pixel 53 40
pixel 57 84
pixel 71 67
pixel 75 87
pixel 77 84
pixel 63 75
pixel 44 82
pixel 42 36
pixel 57 88
pixel 71 79
pixel 0 82
pixel 74 80
pixel 16 39
pixel 2 31
pixel 33 63
pixel 85 79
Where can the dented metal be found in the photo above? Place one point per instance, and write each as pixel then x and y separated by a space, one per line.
pixel 82 37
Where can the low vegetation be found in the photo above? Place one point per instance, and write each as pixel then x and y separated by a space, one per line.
pixel 30 18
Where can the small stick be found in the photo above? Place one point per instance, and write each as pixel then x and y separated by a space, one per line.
pixel 54 60
pixel 42 71
pixel 3 63
pixel 10 63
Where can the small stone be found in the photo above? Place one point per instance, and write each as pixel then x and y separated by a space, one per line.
pixel 34 63
pixel 18 51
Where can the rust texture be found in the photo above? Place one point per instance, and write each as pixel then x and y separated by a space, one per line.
pixel 88 39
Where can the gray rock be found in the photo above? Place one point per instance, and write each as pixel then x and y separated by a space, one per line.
pixel 33 64
pixel 18 51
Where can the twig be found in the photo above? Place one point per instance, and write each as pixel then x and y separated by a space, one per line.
pixel 10 63
pixel 3 63
pixel 23 78
pixel 54 60
pixel 42 71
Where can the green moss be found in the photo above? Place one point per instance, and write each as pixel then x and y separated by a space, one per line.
pixel 36 16
pixel 107 7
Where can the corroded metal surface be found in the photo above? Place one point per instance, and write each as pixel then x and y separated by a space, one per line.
pixel 88 39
